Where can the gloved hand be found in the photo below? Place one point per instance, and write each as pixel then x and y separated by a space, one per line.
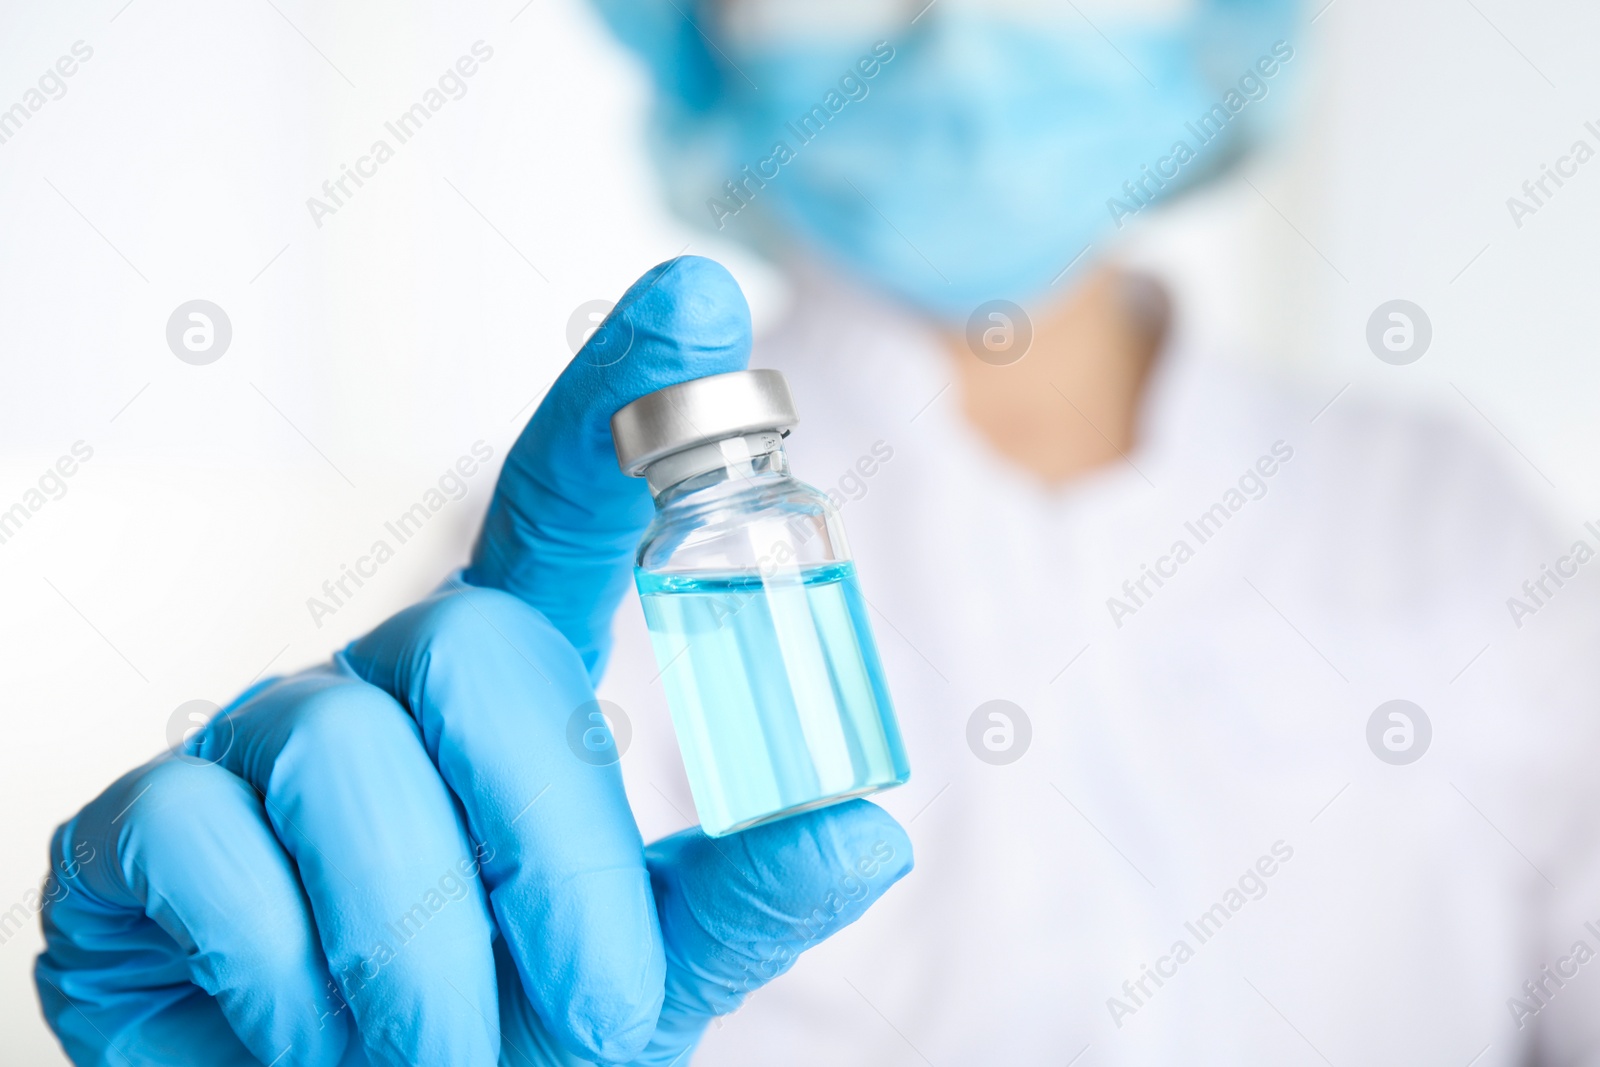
pixel 396 858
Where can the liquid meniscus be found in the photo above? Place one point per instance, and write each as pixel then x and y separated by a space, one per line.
pixel 776 691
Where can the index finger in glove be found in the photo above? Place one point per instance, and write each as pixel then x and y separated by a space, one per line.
pixel 564 520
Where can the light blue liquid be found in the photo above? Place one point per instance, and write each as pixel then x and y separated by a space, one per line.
pixel 776 691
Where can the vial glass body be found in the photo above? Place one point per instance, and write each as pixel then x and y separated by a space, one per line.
pixel 768 661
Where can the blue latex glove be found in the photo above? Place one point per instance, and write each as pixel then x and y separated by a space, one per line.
pixel 397 858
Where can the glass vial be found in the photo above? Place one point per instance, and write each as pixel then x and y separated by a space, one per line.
pixel 759 628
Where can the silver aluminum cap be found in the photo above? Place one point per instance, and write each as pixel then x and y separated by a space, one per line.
pixel 700 412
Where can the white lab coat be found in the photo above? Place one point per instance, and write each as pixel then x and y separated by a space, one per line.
pixel 1220 728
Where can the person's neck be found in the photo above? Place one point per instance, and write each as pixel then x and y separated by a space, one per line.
pixel 1071 403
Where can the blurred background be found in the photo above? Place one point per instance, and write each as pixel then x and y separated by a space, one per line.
pixel 372 347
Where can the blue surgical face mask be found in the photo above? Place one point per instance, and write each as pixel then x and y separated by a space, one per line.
pixel 968 157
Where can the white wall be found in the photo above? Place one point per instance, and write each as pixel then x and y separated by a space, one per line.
pixel 370 352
